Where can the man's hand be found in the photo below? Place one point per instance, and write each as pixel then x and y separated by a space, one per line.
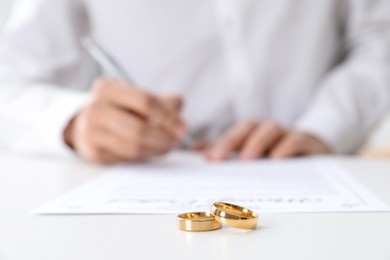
pixel 124 123
pixel 254 140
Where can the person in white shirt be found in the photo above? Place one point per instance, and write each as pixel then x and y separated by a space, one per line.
pixel 260 78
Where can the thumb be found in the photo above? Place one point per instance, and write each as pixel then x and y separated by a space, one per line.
pixel 172 101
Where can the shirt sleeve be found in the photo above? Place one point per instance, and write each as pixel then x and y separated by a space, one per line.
pixel 356 94
pixel 43 72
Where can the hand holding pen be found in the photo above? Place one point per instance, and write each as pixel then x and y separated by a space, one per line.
pixel 122 122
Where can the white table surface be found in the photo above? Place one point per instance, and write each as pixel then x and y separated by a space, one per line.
pixel 28 182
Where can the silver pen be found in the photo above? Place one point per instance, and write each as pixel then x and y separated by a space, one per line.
pixel 114 69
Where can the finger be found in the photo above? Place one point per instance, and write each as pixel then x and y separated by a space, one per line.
pixel 230 142
pixel 114 145
pixel 139 101
pixel 299 144
pixel 292 145
pixel 200 146
pixel 261 140
pixel 173 101
pixel 112 157
pixel 90 151
pixel 155 142
pixel 108 158
pixel 132 129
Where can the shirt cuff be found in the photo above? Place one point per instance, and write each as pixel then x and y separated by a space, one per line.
pixel 56 119
pixel 339 133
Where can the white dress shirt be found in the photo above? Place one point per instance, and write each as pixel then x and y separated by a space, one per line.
pixel 317 66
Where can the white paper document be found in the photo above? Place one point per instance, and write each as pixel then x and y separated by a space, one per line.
pixel 179 184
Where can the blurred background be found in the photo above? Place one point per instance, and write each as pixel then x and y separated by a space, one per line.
pixel 379 140
pixel 4 10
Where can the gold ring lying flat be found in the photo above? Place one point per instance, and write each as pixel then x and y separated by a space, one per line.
pixel 197 222
pixel 234 216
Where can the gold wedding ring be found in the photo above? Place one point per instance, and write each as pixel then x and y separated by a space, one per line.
pixel 234 216
pixel 197 222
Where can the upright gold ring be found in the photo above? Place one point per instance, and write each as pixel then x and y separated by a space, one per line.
pixel 234 215
pixel 197 222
